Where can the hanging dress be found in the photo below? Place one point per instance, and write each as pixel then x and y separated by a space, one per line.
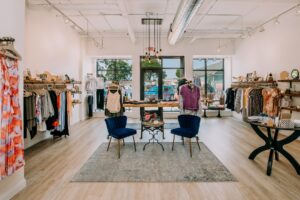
pixel 11 141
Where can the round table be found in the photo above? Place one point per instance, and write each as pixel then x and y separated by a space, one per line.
pixel 274 145
pixel 153 129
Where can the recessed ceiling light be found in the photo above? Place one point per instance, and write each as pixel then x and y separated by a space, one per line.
pixel 261 29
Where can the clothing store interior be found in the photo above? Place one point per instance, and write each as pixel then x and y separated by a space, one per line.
pixel 140 99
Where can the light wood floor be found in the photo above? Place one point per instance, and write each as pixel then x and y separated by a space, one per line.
pixel 51 165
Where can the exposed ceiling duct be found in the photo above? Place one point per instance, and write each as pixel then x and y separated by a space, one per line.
pixel 185 12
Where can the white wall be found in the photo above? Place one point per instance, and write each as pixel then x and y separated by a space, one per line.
pixel 12 15
pixel 53 46
pixel 275 50
pixel 120 47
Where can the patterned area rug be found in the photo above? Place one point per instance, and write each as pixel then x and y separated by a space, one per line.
pixel 153 165
pixel 137 126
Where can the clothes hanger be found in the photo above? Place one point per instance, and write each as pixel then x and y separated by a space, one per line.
pixel 7 48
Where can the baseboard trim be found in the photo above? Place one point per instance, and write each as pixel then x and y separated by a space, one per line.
pixel 13 188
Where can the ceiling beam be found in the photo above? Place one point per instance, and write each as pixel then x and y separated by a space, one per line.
pixel 122 6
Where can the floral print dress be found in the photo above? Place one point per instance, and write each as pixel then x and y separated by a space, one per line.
pixel 11 135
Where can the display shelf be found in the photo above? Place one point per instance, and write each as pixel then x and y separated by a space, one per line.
pixel 76 102
pixel 74 82
pixel 293 94
pixel 289 81
pixel 255 82
pixel 291 109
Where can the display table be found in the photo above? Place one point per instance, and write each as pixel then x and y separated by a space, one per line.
pixel 153 129
pixel 275 145
pixel 142 105
pixel 217 107
pixel 156 105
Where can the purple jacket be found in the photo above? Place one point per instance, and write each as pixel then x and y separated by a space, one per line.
pixel 190 97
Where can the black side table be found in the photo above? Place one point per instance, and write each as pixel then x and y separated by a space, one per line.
pixel 153 129
pixel 274 145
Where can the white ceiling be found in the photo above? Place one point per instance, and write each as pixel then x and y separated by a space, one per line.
pixel 214 19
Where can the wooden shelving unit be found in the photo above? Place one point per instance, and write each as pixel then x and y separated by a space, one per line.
pixel 290 80
pixel 291 109
pixel 292 94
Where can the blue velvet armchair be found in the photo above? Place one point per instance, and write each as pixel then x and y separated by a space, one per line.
pixel 116 127
pixel 189 128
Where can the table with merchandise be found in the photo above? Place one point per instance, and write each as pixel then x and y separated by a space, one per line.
pixel 274 145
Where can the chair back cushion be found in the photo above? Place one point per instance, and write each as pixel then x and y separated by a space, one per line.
pixel 189 121
pixel 113 123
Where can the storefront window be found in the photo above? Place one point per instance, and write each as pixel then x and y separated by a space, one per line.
pixel 209 74
pixel 116 70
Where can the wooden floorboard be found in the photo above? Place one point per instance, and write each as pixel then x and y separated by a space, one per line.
pixel 50 166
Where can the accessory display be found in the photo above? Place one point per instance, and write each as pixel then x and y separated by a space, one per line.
pixel 295 74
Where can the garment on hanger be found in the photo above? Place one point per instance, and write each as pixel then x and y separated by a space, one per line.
pixel 100 83
pixel 188 112
pixel 191 96
pixel 100 99
pixel 271 99
pixel 69 103
pixel 255 102
pixel 230 98
pixel 51 122
pixel 29 115
pixel 91 85
pixel 114 103
pixel 11 140
pixel 238 100
pixel 90 102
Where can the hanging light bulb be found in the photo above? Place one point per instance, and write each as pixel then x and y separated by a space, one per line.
pixel 67 20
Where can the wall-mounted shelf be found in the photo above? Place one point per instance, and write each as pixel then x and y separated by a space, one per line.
pixel 74 82
pixel 289 81
pixel 291 109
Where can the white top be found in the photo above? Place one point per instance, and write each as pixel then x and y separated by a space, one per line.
pixel 100 83
pixel 113 104
pixel 91 85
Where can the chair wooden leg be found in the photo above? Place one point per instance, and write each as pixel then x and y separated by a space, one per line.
pixel 190 142
pixel 123 142
pixel 142 127
pixel 108 143
pixel 197 139
pixel 119 149
pixel 173 142
pixel 134 143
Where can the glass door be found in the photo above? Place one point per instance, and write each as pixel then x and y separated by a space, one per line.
pixel 151 84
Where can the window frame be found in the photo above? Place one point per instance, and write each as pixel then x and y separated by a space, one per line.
pixel 115 69
pixel 205 70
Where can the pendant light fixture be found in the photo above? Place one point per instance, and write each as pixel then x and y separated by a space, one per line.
pixel 152 37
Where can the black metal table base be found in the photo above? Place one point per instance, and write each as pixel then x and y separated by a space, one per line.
pixel 275 147
pixel 153 133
